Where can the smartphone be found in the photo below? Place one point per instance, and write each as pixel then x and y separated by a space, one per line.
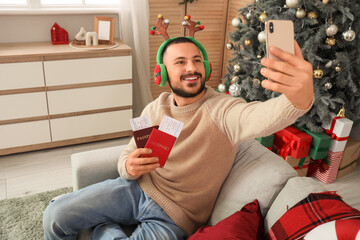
pixel 279 33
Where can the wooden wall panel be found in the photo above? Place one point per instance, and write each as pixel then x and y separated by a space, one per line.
pixel 215 15
pixel 211 14
pixel 234 6
pixel 171 10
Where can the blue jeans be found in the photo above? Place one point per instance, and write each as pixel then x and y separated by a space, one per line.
pixel 106 206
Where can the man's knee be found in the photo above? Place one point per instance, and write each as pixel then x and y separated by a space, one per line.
pixel 54 218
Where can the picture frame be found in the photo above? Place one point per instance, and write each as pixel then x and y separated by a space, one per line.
pixel 104 27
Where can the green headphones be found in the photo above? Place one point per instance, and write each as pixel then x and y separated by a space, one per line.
pixel 160 73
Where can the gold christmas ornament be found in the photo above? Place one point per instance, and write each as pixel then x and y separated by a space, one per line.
pixel 312 15
pixel 247 42
pixel 341 112
pixel 292 3
pixel 325 1
pixel 256 81
pixel 235 79
pixel 338 68
pixel 318 73
pixel 300 13
pixel 262 17
pixel 259 56
pixel 330 41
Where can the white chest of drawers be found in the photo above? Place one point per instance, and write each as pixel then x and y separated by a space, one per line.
pixel 54 95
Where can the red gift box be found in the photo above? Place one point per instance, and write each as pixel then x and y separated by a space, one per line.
pixel 291 141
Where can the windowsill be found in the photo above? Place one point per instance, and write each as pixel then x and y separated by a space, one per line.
pixel 57 11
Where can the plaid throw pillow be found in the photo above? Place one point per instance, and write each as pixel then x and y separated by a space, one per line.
pixel 315 209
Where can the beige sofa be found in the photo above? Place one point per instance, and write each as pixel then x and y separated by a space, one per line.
pixel 257 173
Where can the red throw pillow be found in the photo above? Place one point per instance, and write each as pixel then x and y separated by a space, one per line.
pixel 247 223
pixel 314 210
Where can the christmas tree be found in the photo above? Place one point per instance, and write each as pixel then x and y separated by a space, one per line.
pixel 328 34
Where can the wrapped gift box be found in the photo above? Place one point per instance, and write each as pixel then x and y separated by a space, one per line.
pixel 291 141
pixel 333 160
pixel 266 141
pixel 338 129
pixel 316 164
pixel 319 145
pixel 300 165
pixel 350 157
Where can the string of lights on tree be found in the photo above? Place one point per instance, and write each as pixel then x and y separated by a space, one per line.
pixel 328 34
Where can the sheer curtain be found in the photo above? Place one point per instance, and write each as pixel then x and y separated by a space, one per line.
pixel 134 24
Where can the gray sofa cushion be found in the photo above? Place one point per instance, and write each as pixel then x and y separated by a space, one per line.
pixel 295 190
pixel 257 173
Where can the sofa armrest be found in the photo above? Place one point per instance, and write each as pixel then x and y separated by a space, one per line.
pixel 95 166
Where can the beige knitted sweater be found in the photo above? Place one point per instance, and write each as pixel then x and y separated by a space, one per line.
pixel 188 185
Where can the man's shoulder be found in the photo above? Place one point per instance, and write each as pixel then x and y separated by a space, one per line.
pixel 163 99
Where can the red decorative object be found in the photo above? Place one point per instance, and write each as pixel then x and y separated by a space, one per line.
pixel 247 223
pixel 58 35
pixel 292 141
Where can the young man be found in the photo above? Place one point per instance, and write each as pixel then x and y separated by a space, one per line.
pixel 173 201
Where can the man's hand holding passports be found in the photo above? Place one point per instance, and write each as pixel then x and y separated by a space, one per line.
pixel 158 140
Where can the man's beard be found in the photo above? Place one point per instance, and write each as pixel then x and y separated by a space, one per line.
pixel 182 93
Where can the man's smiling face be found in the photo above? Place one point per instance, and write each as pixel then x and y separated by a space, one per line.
pixel 185 68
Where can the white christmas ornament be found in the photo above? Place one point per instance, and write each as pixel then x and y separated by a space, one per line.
pixel 236 67
pixel 300 13
pixel 331 30
pixel 166 21
pixel 236 22
pixel 292 3
pixel 229 45
pixel 328 85
pixel 262 36
pixel 248 15
pixel 234 90
pixel 349 35
pixel 184 23
pixel 221 87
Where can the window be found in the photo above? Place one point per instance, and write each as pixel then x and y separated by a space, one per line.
pixel 61 5
pixel 13 2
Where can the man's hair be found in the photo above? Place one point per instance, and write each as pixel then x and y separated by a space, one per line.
pixel 176 41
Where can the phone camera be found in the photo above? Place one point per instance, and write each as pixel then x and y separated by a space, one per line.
pixel 271 27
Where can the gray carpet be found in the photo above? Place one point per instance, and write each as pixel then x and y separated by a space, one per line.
pixel 21 218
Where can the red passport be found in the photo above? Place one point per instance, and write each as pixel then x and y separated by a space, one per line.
pixel 161 144
pixel 141 136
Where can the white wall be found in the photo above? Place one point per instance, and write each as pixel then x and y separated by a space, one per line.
pixel 36 28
